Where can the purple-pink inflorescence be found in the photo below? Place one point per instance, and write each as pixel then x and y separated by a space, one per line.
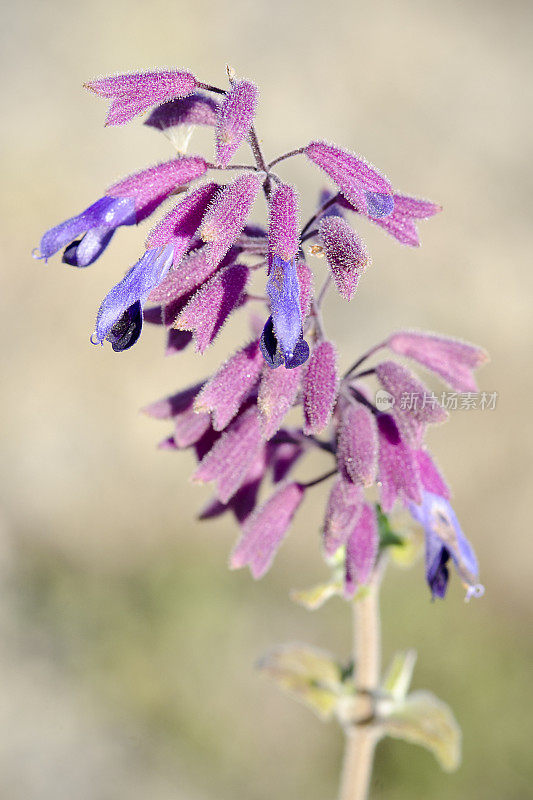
pixel 280 396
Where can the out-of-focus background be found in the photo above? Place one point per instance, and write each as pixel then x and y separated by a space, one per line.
pixel 126 646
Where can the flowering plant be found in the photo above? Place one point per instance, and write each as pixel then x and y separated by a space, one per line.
pixel 193 274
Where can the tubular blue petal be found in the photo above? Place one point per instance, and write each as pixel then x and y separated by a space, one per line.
pixel 134 288
pixel 284 293
pixel 107 211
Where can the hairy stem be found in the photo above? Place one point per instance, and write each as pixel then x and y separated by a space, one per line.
pixel 364 357
pixel 260 161
pixel 286 155
pixel 361 736
pixel 317 214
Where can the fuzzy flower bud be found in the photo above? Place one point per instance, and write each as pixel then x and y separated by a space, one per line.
pixel 451 359
pixel 234 120
pixel 320 388
pixel 226 217
pixel 179 226
pixel 357 180
pixel 134 92
pixel 207 311
pixel 224 393
pixel 357 445
pixel 344 506
pixel 265 529
pixel 412 417
pixel 346 254
pixel 277 393
pixel 230 458
pixel 361 550
pixel 283 232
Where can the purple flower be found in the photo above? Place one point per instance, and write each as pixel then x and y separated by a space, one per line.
pixel 97 224
pixel 119 318
pixel 282 338
pixel 127 202
pixel 445 540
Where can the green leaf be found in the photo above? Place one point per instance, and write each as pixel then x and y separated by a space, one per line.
pixel 316 596
pixel 425 720
pixel 399 675
pixel 387 537
pixel 309 675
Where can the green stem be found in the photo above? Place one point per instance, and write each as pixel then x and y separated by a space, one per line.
pixel 362 736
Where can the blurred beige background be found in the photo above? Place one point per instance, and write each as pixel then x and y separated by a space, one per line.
pixel 127 648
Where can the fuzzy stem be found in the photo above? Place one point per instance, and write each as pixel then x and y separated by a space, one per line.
pixel 362 737
pixel 364 357
pixel 286 155
pixel 259 160
pixel 318 213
